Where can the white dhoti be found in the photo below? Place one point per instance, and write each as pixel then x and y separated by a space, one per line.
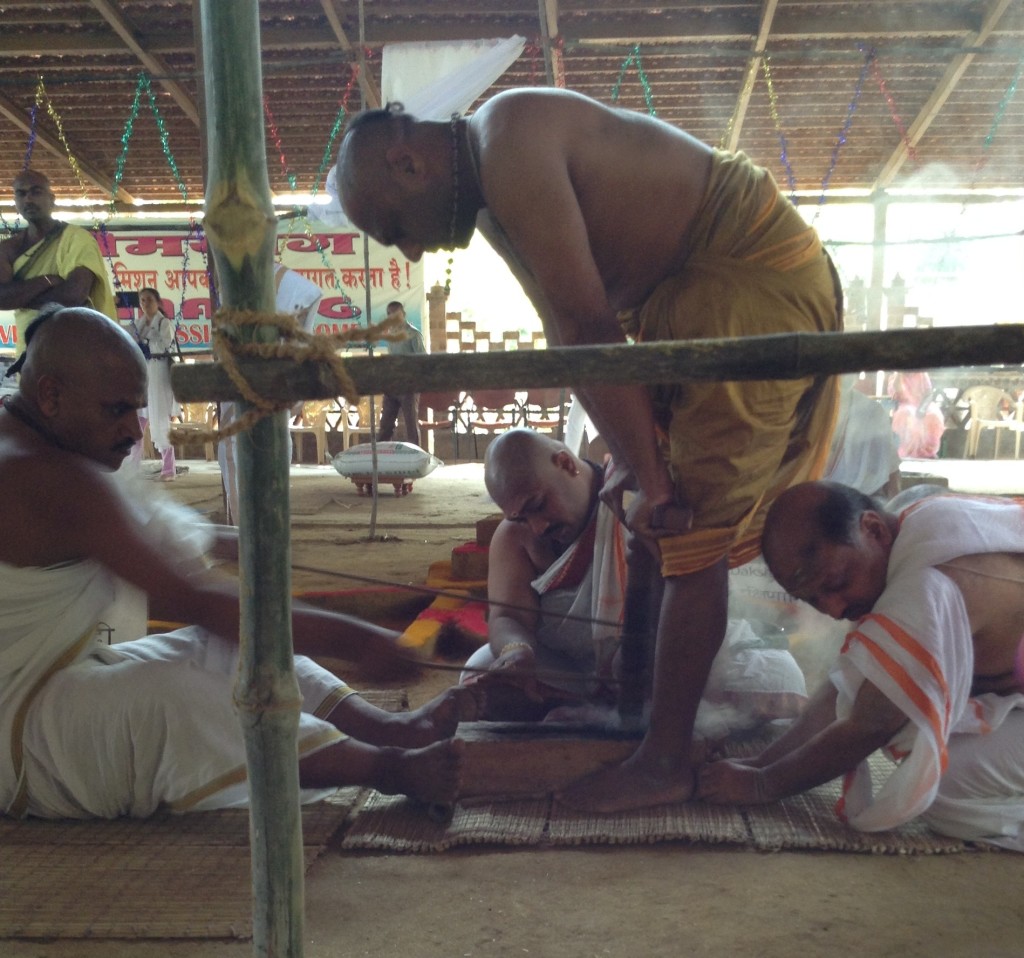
pixel 93 731
pixel 582 604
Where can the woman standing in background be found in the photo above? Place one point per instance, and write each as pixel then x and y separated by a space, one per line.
pixel 156 334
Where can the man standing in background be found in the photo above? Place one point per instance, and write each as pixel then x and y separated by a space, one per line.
pixel 49 261
pixel 408 403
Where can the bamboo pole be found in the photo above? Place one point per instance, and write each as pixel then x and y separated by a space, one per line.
pixel 781 356
pixel 242 231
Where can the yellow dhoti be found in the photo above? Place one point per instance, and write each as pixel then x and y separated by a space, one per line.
pixel 753 267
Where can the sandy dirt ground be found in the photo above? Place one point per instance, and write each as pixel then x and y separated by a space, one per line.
pixel 629 901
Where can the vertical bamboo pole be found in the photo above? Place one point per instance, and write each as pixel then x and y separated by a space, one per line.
pixel 242 230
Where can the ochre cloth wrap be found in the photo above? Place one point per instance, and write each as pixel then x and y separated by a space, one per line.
pixel 753 267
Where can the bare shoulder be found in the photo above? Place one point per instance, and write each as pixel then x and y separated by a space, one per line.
pixel 10 246
pixel 52 500
pixel 514 549
pixel 530 120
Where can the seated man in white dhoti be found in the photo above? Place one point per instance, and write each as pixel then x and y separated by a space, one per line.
pixel 90 730
pixel 556 586
pixel 927 671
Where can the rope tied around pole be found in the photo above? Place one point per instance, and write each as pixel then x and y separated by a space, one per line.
pixel 295 344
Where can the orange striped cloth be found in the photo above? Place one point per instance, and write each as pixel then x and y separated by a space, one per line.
pixel 916 647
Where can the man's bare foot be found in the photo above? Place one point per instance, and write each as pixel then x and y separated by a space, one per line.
pixel 432 774
pixel 436 720
pixel 732 782
pixel 636 783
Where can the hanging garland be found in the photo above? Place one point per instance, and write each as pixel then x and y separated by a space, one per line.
pixel 845 131
pixel 634 58
pixel 997 119
pixel 328 152
pixel 773 108
pixel 876 71
pixel 33 130
pixel 144 85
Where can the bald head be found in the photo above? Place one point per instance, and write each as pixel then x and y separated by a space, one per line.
pixel 362 166
pixel 820 535
pixel 538 482
pixel 516 458
pixel 82 384
pixel 32 177
pixel 33 197
pixel 398 180
pixel 76 344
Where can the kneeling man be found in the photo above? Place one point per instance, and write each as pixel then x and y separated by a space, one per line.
pixel 927 671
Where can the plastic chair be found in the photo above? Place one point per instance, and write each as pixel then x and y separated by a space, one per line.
pixel 196 417
pixel 544 410
pixel 312 421
pixel 991 408
pixel 356 420
pixel 445 414
pixel 494 411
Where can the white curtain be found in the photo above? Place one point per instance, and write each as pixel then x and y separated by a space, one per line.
pixel 433 80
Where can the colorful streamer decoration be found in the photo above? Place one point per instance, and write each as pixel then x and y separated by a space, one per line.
pixel 51 112
pixel 997 119
pixel 276 137
pixel 876 71
pixel 33 130
pixel 328 152
pixel 773 107
pixel 845 131
pixel 126 135
pixel 748 86
pixel 634 58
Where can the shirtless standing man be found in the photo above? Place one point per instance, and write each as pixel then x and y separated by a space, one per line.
pixel 95 730
pixel 614 220
pixel 936 595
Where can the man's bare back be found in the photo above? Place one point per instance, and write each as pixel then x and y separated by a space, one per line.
pixel 992 585
pixel 612 191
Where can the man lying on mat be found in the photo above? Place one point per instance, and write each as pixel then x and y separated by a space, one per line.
pixel 927 671
pixel 556 587
pixel 93 730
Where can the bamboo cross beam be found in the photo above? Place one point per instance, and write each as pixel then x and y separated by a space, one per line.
pixel 779 356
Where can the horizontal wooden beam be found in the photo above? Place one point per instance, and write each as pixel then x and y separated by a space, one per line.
pixel 780 356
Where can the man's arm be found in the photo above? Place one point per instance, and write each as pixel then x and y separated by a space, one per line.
pixel 514 606
pixel 82 508
pixel 73 290
pixel 811 759
pixel 20 293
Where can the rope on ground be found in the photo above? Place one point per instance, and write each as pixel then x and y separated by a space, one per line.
pixel 295 344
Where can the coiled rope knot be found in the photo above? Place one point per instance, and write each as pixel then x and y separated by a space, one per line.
pixel 295 344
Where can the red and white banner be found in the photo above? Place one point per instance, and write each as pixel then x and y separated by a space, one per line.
pixel 174 262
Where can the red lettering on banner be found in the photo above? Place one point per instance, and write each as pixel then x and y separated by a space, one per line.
pixel 344 244
pixel 331 329
pixel 337 307
pixel 196 309
pixel 194 334
pixel 8 334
